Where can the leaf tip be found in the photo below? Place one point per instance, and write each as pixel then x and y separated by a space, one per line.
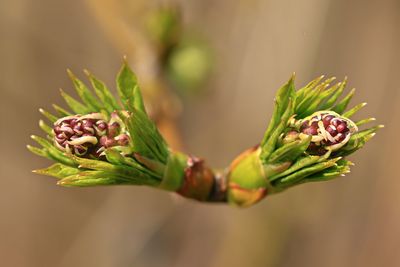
pixel 71 74
pixel 62 182
pixel 292 78
pixel 87 73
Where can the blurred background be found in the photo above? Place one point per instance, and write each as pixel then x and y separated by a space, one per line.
pixel 245 51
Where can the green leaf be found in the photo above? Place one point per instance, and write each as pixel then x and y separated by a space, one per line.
pixel 48 115
pixel 335 94
pixel 74 104
pixel 94 178
pixel 103 93
pixel 123 171
pixel 290 151
pixel 304 172
pixel 84 93
pixel 38 151
pixel 61 112
pixel 362 134
pixel 128 89
pixel 365 121
pixel 301 93
pixel 269 146
pixel 58 170
pixel 115 157
pixel 146 141
pixel 47 129
pixel 351 112
pixel 340 169
pixel 299 164
pixel 312 98
pixel 357 141
pixel 150 164
pixel 53 152
pixel 281 105
pixel 342 105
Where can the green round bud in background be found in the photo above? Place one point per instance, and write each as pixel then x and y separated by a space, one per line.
pixel 189 65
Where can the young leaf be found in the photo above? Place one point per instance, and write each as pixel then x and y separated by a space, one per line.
pixel 147 140
pixel 61 112
pixel 108 100
pixel 290 151
pixel 58 170
pixel 342 105
pixel 128 89
pixel 74 104
pixel 48 115
pixel 283 95
pixel 87 97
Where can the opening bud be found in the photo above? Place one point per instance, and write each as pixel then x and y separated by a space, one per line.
pixel 329 131
pixel 88 134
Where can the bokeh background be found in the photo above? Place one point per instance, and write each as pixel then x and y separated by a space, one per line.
pixel 351 221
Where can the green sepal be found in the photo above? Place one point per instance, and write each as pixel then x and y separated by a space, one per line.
pixel 128 89
pixel 58 170
pixel 174 172
pixel 101 90
pixel 247 182
pixel 249 172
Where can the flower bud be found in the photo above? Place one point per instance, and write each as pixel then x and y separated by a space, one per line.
pixel 79 134
pixel 89 134
pixel 328 129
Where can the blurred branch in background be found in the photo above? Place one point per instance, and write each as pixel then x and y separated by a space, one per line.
pixel 165 56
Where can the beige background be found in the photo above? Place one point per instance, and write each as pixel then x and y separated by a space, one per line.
pixel 352 221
